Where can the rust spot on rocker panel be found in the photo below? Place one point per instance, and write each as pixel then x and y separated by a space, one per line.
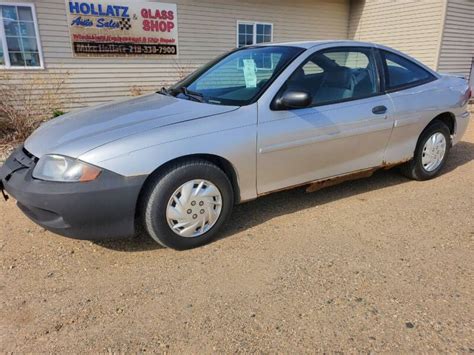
pixel 390 165
pixel 321 184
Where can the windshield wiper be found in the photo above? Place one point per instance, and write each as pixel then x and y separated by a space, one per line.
pixel 164 91
pixel 193 95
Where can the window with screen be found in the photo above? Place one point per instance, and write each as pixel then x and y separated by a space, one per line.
pixel 402 73
pixel 264 33
pixel 245 34
pixel 251 33
pixel 19 42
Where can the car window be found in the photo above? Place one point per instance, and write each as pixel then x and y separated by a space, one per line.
pixel 233 74
pixel 401 72
pixel 336 75
pixel 241 76
pixel 312 68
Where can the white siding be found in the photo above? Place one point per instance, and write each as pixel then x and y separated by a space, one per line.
pixel 411 26
pixel 457 46
pixel 205 29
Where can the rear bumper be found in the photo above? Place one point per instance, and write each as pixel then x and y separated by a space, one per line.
pixel 101 209
pixel 462 121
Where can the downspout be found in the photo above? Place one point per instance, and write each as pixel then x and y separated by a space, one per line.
pixel 357 29
pixel 441 35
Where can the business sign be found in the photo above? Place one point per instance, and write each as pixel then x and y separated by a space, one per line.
pixel 122 28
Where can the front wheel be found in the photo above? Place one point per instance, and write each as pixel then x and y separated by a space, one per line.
pixel 186 205
pixel 431 153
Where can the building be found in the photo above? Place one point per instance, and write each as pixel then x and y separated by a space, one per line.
pixel 112 48
pixel 438 33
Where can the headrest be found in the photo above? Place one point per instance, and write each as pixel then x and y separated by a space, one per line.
pixel 298 75
pixel 339 78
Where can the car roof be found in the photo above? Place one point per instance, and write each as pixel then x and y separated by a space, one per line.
pixel 311 44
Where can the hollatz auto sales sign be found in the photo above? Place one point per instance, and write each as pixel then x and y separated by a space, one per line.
pixel 122 28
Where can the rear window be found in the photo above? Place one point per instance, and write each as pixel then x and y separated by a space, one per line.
pixel 401 73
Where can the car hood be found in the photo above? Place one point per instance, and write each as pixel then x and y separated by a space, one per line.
pixel 78 132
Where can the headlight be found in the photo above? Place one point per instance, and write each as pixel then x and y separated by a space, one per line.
pixel 64 169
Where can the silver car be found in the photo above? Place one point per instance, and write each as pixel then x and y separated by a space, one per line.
pixel 256 120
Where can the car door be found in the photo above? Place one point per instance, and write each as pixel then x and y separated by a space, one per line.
pixel 345 128
pixel 416 98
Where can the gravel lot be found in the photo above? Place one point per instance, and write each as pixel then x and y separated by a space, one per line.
pixel 379 264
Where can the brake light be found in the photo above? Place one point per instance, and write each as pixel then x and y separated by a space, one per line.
pixel 467 96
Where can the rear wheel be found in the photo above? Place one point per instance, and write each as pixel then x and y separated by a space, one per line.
pixel 186 205
pixel 431 153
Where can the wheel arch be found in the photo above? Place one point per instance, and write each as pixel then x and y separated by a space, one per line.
pixel 217 160
pixel 448 119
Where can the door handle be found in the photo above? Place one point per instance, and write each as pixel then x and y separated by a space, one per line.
pixel 379 110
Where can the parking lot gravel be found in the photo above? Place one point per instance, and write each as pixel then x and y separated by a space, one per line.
pixel 382 264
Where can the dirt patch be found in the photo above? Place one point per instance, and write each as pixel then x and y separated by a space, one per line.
pixel 380 264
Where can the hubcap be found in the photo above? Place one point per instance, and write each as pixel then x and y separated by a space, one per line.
pixel 194 208
pixel 433 152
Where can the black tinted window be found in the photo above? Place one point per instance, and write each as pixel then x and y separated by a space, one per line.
pixel 401 72
pixel 336 75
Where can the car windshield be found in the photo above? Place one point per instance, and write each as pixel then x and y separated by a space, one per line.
pixel 237 78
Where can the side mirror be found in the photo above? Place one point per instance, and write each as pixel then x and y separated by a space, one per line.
pixel 293 99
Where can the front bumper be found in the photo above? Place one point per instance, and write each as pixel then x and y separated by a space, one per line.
pixel 100 209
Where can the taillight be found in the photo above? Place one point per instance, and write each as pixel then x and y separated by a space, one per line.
pixel 467 96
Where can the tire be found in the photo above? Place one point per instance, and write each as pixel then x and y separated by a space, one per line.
pixel 157 202
pixel 414 169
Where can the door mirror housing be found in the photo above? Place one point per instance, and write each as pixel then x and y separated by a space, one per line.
pixel 292 99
